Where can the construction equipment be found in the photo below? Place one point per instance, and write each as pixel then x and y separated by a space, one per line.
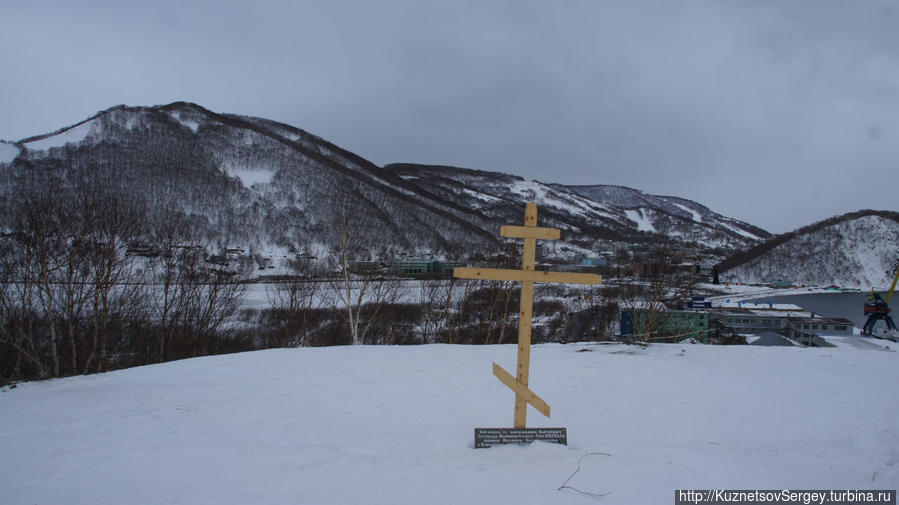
pixel 876 308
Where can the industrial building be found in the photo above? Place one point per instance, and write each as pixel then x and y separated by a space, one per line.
pixel 791 321
pixel 422 268
pixel 674 324
pixel 736 322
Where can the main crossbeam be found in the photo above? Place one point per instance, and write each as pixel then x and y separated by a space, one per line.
pixel 530 232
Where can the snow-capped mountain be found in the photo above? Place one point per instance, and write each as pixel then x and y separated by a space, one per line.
pixel 269 187
pixel 859 249
pixel 241 182
pixel 675 217
pixel 591 212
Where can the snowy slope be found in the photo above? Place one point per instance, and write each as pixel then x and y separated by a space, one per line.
pixel 8 152
pixel 73 135
pixel 393 425
pixel 106 125
pixel 639 216
pixel 854 250
pixel 675 217
pixel 614 213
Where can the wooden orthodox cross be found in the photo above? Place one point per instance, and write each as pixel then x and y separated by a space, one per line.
pixel 527 276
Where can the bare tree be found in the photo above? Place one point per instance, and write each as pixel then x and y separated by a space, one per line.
pixel 293 297
pixel 662 283
pixel 110 223
pixel 500 297
pixel 73 300
pixel 191 298
pixel 381 293
pixel 17 305
pixel 431 301
pixel 48 234
pixel 214 296
pixel 455 294
pixel 47 263
pixel 353 288
pixel 165 272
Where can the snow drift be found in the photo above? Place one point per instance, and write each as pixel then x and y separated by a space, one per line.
pixel 395 425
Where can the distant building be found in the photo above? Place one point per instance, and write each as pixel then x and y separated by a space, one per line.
pixel 757 321
pixel 679 324
pixel 746 322
pixel 422 268
pixel 595 261
pixel 365 267
pixel 699 302
pixel 800 327
pixel 771 339
pixel 819 326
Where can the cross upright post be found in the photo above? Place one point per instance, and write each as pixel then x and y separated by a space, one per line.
pixel 526 314
pixel 528 275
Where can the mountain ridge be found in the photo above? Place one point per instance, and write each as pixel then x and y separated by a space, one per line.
pixel 856 249
pixel 254 181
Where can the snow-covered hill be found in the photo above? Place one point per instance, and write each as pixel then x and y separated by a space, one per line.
pixel 675 217
pixel 605 212
pixel 860 249
pixel 240 182
pixel 394 425
pixel 259 185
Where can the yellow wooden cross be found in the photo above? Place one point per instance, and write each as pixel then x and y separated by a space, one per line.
pixel 527 276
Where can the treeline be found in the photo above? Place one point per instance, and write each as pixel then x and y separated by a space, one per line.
pixel 312 312
pixel 73 300
pixel 89 284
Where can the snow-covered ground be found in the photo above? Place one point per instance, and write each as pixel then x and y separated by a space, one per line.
pixel 8 152
pixel 249 175
pixel 72 135
pixel 644 223
pixel 408 291
pixel 394 425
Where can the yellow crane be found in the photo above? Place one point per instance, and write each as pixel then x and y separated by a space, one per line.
pixel 876 308
pixel 893 287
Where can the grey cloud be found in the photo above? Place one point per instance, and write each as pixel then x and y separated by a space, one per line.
pixel 779 113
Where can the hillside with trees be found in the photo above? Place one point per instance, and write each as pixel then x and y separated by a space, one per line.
pixel 858 249
pixel 270 189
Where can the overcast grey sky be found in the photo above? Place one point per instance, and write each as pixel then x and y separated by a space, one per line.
pixel 779 113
